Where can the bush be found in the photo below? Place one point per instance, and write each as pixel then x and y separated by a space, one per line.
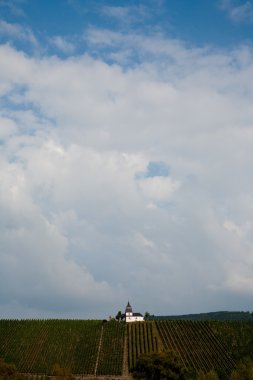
pixel 8 371
pixel 60 373
pixel 244 370
pixel 160 366
pixel 211 375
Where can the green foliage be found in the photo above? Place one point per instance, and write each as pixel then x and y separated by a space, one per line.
pixel 160 366
pixel 36 345
pixel 244 370
pixel 211 375
pixel 60 373
pixel 194 341
pixel 142 339
pixel 236 335
pixel 197 345
pixel 118 316
pixel 8 371
pixel 111 351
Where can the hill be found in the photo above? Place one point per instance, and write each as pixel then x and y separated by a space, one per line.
pixel 35 346
pixel 212 316
pixel 104 348
pixel 194 341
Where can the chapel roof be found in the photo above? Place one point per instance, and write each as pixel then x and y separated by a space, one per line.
pixel 123 316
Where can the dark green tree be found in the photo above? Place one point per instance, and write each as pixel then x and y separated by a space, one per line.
pixel 118 316
pixel 158 366
pixel 146 315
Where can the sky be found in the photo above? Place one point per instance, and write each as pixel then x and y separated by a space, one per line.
pixel 126 133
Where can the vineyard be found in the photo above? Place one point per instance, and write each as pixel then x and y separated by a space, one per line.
pixel 143 338
pixel 195 343
pixel 97 348
pixel 111 350
pixel 35 346
pixel 236 335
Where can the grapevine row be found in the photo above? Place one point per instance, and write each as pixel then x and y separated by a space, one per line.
pixel 142 339
pixel 35 346
pixel 196 344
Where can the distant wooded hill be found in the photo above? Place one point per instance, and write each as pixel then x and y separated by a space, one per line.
pixel 213 316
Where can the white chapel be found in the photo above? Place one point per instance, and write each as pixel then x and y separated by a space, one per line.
pixel 129 316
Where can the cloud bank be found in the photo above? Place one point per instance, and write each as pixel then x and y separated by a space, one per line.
pixel 126 179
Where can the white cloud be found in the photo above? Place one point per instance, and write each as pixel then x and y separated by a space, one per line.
pixel 15 6
pixel 143 241
pixel 35 267
pixel 234 228
pixel 62 44
pixel 125 15
pixel 146 47
pixel 240 283
pixel 238 13
pixel 158 189
pixel 7 128
pixel 18 32
pixel 77 220
pixel 116 12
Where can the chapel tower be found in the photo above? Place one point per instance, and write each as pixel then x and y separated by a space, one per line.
pixel 129 310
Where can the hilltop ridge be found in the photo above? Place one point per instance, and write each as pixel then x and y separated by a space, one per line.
pixel 211 316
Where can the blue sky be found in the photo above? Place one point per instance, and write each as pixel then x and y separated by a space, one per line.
pixel 218 23
pixel 125 157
